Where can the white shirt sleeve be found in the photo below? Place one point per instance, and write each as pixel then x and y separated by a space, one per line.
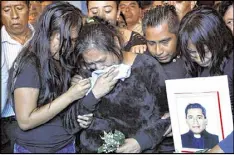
pixel 4 79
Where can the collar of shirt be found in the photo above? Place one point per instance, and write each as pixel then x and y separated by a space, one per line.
pixel 7 38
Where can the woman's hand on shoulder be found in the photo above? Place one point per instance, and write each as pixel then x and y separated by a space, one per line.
pixel 138 49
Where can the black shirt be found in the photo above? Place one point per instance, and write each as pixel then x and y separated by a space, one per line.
pixel 175 69
pixel 49 137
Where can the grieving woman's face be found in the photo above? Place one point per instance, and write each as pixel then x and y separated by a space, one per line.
pixel 55 42
pixel 196 120
pixel 196 58
pixel 99 60
pixel 54 45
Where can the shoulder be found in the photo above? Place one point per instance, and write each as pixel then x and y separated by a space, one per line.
pixel 27 75
pixel 147 62
pixel 210 135
pixel 185 134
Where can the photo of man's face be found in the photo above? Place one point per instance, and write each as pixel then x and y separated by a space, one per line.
pixel 195 120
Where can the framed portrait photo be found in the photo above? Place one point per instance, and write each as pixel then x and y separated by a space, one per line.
pixel 200 112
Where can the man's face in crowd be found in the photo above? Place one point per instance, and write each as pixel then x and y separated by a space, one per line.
pixel 104 9
pixel 15 16
pixel 182 7
pixel 161 43
pixel 34 11
pixel 131 11
pixel 196 121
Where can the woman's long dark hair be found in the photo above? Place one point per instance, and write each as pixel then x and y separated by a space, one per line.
pixel 97 33
pixel 54 74
pixel 204 26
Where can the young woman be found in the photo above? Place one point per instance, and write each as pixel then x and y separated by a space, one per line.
pixel 40 81
pixel 134 106
pixel 108 10
pixel 206 44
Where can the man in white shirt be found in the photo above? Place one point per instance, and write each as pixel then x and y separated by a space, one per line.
pixel 15 33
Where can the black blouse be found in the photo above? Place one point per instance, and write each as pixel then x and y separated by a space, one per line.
pixel 134 107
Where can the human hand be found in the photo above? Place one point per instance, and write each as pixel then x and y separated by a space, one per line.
pixel 165 116
pixel 138 49
pixel 168 133
pixel 130 146
pixel 85 120
pixel 79 89
pixel 105 83
pixel 75 79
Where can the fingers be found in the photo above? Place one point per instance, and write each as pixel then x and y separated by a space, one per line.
pixel 138 49
pixel 165 116
pixel 168 131
pixel 111 74
pixel 85 120
pixel 83 126
pixel 87 117
pixel 75 79
pixel 170 135
pixel 120 149
pixel 84 82
pixel 84 123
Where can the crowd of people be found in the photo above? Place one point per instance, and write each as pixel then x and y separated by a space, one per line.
pixel 51 101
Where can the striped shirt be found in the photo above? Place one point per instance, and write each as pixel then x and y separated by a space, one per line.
pixel 11 49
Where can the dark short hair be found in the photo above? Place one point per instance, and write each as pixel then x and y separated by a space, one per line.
pixel 145 4
pixel 223 7
pixel 193 106
pixel 160 14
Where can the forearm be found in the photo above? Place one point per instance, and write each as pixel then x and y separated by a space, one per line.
pixel 80 107
pixel 43 114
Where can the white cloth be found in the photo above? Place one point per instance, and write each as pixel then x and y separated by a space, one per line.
pixel 10 48
pixel 124 72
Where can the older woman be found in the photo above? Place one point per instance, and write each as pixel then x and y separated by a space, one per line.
pixel 134 106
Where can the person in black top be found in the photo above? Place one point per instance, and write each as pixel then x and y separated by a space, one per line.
pixel 108 10
pixel 134 106
pixel 39 83
pixel 160 27
pixel 206 44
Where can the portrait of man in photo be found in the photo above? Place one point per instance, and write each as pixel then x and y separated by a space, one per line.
pixel 197 137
